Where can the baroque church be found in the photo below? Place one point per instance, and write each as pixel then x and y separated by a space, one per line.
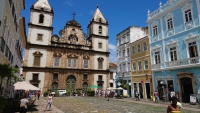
pixel 71 60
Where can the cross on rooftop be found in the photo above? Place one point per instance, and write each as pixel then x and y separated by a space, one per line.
pixel 74 14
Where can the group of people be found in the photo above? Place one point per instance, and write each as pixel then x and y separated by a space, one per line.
pixel 24 100
pixel 103 93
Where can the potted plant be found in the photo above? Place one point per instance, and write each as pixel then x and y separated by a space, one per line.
pixel 68 92
pixel 3 103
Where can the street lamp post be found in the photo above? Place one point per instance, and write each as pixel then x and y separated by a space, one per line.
pixel 162 83
pixel 130 89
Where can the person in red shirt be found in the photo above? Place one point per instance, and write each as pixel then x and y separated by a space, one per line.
pixel 38 94
pixel 156 96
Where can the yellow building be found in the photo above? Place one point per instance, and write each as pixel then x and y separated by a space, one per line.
pixel 141 67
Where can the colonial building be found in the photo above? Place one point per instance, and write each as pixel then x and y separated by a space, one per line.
pixel 12 34
pixel 124 39
pixel 72 60
pixel 174 30
pixel 113 73
pixel 141 66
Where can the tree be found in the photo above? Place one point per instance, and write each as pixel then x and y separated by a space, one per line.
pixel 6 70
pixel 11 73
pixel 125 86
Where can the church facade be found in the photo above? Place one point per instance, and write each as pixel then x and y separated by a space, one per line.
pixel 71 60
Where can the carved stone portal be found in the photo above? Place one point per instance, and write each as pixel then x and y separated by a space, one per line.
pixel 181 75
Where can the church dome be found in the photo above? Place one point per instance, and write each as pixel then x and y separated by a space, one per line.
pixel 73 23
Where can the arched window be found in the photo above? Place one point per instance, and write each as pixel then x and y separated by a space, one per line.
pixel 100 29
pixel 41 18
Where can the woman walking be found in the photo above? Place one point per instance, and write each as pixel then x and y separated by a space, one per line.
pixel 50 99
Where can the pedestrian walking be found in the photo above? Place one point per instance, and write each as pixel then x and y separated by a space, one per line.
pixel 23 104
pixel 107 94
pixel 137 96
pixel 35 92
pixel 49 102
pixel 156 96
pixel 38 94
pixel 173 107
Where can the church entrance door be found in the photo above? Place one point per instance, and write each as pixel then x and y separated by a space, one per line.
pixel 71 83
pixel 85 86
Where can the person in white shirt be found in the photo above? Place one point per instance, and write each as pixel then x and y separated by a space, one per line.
pixel 23 105
pixel 50 99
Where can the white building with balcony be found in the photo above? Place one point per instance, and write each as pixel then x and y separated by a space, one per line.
pixel 124 38
pixel 174 31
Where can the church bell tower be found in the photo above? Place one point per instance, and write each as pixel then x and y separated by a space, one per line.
pixel 98 31
pixel 40 25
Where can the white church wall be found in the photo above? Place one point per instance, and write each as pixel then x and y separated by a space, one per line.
pixel 41 76
pixel 33 33
pixel 96 56
pixel 104 30
pixel 35 19
pixel 31 57
pixel 104 78
pixel 104 44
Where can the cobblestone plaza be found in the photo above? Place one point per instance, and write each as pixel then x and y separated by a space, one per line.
pixel 100 105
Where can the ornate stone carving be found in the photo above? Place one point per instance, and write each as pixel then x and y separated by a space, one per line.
pixel 54 38
pixel 73 23
pixel 100 59
pixel 37 53
pixel 86 57
pixel 57 54
pixel 72 55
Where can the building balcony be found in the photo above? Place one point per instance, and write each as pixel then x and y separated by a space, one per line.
pixel 34 81
pixel 155 66
pixel 183 62
pixel 100 82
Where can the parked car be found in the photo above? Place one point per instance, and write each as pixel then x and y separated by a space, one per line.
pixel 62 92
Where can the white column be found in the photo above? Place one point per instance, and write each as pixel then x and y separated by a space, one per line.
pixel 163 43
pixel 198 9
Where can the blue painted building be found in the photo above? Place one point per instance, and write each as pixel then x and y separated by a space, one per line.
pixel 174 31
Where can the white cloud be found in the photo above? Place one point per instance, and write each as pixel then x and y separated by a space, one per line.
pixel 112 49
pixel 68 2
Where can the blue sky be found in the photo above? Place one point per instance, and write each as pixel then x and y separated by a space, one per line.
pixel 119 13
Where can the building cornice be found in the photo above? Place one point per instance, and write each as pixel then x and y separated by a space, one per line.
pixel 98 36
pixel 26 68
pixel 100 23
pixel 164 12
pixel 42 27
pixel 29 45
pixel 42 11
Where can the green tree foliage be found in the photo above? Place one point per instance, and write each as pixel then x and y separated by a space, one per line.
pixel 6 70
pixel 125 86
